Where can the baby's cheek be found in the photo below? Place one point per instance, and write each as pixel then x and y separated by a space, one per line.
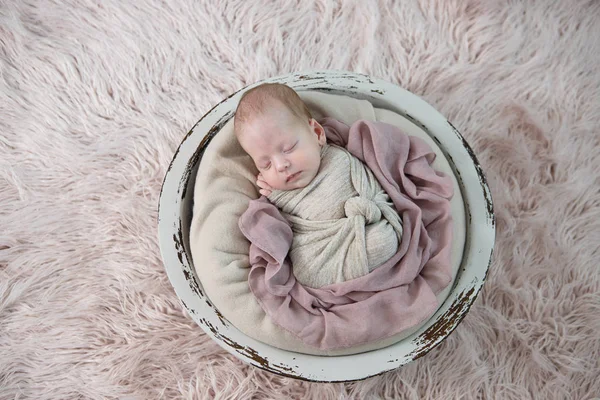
pixel 311 161
pixel 301 161
pixel 273 182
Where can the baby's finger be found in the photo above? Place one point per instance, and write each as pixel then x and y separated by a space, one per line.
pixel 263 184
pixel 261 178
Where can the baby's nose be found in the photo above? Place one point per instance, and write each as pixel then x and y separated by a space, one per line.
pixel 282 165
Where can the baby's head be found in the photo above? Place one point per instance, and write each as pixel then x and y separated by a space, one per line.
pixel 274 126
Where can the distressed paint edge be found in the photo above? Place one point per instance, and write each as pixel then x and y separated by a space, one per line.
pixel 460 307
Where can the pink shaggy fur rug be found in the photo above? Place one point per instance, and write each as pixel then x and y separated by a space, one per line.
pixel 95 97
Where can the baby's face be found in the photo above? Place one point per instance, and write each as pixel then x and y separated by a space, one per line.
pixel 285 149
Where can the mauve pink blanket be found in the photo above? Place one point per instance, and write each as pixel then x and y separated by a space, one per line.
pixel 394 297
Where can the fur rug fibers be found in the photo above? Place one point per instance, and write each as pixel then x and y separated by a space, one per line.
pixel 95 96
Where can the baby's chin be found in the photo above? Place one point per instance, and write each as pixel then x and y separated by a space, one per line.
pixel 299 184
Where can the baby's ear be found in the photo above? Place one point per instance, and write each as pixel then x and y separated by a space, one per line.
pixel 319 131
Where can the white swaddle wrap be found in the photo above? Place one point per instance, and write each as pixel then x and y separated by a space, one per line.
pixel 344 223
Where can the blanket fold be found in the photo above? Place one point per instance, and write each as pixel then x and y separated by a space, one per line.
pixel 397 295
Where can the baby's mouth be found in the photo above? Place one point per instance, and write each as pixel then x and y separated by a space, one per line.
pixel 292 177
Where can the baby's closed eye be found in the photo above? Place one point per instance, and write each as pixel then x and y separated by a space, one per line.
pixel 290 149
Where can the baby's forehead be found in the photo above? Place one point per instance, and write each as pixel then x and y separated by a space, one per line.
pixel 277 112
pixel 275 124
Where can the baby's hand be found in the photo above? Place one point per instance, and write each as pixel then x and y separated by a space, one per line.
pixel 265 188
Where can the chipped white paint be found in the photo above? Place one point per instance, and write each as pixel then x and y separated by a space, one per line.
pixel 174 220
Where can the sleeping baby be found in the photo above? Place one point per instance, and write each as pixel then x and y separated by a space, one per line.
pixel 343 222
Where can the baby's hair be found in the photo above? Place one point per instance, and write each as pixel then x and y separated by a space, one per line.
pixel 258 99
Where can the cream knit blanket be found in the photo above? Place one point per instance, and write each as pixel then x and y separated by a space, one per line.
pixel 344 223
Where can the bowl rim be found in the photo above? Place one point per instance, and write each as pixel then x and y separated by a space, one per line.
pixel 477 256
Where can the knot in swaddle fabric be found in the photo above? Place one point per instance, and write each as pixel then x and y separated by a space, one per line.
pixel 343 222
pixel 363 208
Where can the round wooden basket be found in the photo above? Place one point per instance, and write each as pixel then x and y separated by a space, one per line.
pixel 175 214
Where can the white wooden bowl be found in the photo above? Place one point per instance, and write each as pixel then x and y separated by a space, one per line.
pixel 175 215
